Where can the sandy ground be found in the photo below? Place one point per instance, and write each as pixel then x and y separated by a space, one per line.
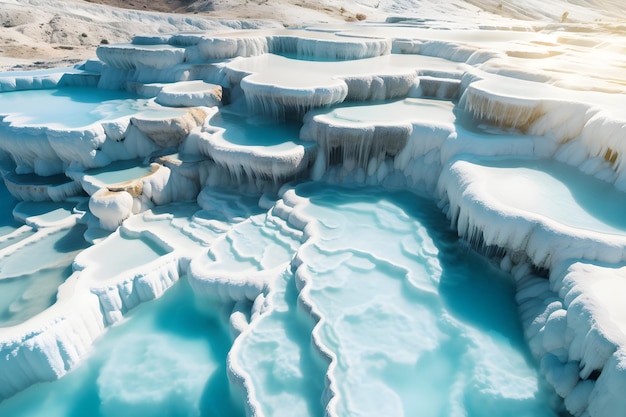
pixel 52 33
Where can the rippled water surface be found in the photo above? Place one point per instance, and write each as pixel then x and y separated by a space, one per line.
pixel 384 313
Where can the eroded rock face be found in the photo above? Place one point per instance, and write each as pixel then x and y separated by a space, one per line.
pixel 169 131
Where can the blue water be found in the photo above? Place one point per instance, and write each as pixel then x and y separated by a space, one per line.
pixel 280 360
pixel 168 359
pixel 417 324
pixel 34 263
pixel 250 131
pixel 120 171
pixel 31 273
pixel 68 107
pixel 557 191
pixel 23 297
pixel 128 253
pixel 41 252
pixel 34 179
pixel 398 111
pixel 46 212
pixel 7 202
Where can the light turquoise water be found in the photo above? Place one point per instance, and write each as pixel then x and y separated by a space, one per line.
pixel 31 274
pixel 42 252
pixel 120 171
pixel 557 191
pixel 386 112
pixel 166 360
pixel 122 254
pixel 24 297
pixel 68 107
pixel 47 212
pixel 248 131
pixel 293 384
pixel 417 324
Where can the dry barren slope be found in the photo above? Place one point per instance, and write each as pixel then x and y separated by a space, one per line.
pixel 43 33
pixel 40 33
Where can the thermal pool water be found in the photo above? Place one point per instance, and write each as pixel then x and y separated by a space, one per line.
pixel 68 107
pixel 404 318
pixel 168 359
pixel 119 172
pixel 553 190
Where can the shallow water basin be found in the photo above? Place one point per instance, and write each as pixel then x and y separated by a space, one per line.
pixel 118 254
pixel 120 171
pixel 68 107
pixel 556 191
pixel 259 132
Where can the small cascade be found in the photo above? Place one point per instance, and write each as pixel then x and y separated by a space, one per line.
pixel 503 111
pixel 254 149
pixel 434 87
pixel 380 139
pixel 214 48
